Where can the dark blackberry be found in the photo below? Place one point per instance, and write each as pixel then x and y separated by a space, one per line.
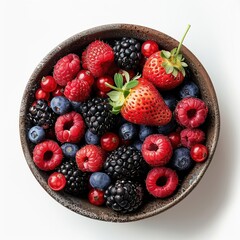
pixel 126 162
pixel 124 196
pixel 77 181
pixel 127 53
pixel 41 115
pixel 98 116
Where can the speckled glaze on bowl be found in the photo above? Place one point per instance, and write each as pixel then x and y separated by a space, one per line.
pixel 75 44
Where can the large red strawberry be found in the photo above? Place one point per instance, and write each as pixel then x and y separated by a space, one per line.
pixel 97 58
pixel 166 69
pixel 139 101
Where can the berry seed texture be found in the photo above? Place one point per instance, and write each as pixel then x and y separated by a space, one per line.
pixel 118 123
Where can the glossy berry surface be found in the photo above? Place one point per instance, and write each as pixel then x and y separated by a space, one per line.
pixel 149 47
pixel 109 141
pixel 189 89
pixel 41 94
pixel 60 105
pixel 99 180
pixel 157 150
pixel 57 181
pixel 181 160
pixel 91 138
pixel 175 139
pixel 69 150
pixel 85 75
pixel 36 134
pixel 199 152
pixel 96 197
pixel 101 83
pixel 48 84
pixel 128 131
pixel 161 182
pixel 59 91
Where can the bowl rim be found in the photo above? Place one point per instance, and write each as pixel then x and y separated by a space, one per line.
pixel 67 202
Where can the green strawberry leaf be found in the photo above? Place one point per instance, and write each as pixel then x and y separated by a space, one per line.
pixel 114 95
pixel 165 54
pixel 131 84
pixel 118 79
pixel 184 64
pixel 169 69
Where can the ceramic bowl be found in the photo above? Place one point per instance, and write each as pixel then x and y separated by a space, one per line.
pixel 73 45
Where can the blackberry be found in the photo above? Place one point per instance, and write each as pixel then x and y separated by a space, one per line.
pixel 77 181
pixel 98 116
pixel 126 162
pixel 41 115
pixel 124 196
pixel 127 53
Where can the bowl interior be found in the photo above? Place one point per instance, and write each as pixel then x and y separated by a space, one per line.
pixel 76 44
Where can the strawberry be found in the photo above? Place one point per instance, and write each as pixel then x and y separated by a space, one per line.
pixel 138 101
pixel 97 58
pixel 166 69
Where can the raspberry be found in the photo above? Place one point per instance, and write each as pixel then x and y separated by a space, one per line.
pixel 190 137
pixel 191 112
pixel 161 182
pixel 66 69
pixel 84 62
pixel 77 90
pixel 90 158
pixel 47 155
pixel 98 58
pixel 157 150
pixel 69 127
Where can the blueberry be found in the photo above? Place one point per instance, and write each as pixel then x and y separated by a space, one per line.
pixel 60 105
pixel 138 145
pixel 36 134
pixel 188 89
pixel 128 131
pixel 181 160
pixel 145 131
pixel 170 100
pixel 91 138
pixel 76 106
pixel 168 128
pixel 69 150
pixel 99 180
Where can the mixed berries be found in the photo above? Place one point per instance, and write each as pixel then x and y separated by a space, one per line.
pixel 118 122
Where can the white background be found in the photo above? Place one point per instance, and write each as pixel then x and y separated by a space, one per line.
pixel 30 29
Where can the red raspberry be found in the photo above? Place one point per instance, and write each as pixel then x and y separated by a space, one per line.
pixel 99 57
pixel 157 150
pixel 47 155
pixel 66 69
pixel 190 137
pixel 90 158
pixel 77 90
pixel 161 182
pixel 69 127
pixel 191 112
pixel 84 62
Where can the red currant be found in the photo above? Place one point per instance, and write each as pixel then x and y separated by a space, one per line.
pixel 41 94
pixel 57 181
pixel 100 83
pixel 48 84
pixel 149 47
pixel 59 91
pixel 175 139
pixel 96 197
pixel 199 152
pixel 109 141
pixel 102 94
pixel 86 76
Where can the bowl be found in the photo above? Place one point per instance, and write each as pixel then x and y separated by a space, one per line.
pixel 113 31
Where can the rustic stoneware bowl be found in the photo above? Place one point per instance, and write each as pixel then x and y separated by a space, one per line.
pixel 73 45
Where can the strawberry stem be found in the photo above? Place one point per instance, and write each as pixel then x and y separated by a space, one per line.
pixel 113 87
pixel 180 44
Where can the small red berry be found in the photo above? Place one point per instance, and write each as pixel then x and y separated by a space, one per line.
pixel 96 197
pixel 86 76
pixel 57 181
pixel 149 47
pixel 109 141
pixel 199 152
pixel 100 83
pixel 102 94
pixel 48 84
pixel 59 91
pixel 41 94
pixel 175 139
